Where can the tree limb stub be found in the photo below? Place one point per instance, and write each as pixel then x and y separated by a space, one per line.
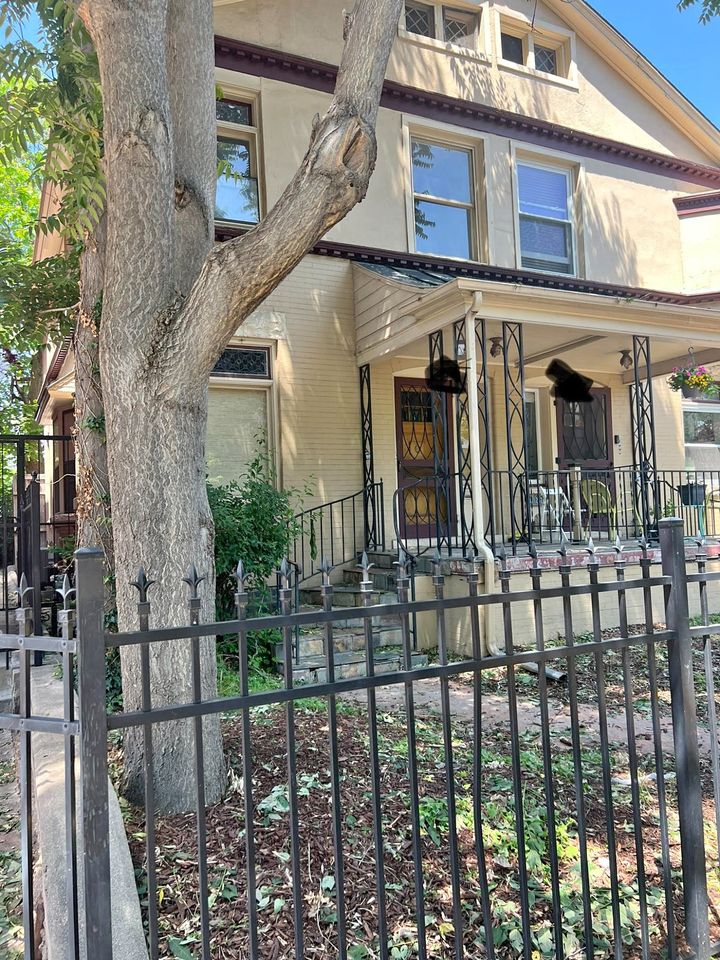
pixel 333 177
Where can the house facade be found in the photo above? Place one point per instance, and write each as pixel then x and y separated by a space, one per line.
pixel 541 193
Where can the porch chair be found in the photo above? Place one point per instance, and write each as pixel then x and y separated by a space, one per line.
pixel 548 507
pixel 600 503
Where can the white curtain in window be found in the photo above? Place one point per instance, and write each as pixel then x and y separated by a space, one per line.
pixel 543 193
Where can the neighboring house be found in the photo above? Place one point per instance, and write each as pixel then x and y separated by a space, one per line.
pixel 541 192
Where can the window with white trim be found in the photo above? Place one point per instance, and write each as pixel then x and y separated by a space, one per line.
pixel 701 429
pixel 537 50
pixel 545 215
pixel 448 24
pixel 443 199
pixel 237 198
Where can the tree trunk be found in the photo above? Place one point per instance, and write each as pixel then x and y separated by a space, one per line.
pixel 94 527
pixel 162 521
pixel 172 302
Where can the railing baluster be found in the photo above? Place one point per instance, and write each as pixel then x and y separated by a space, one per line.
pixel 701 560
pixel 473 580
pixel 516 768
pixel 193 581
pixel 67 623
pixel 366 587
pixel 593 567
pixel 335 772
pixel 25 629
pixel 285 606
pixel 241 605
pixel 580 807
pixel 446 721
pixel 402 583
pixel 535 575
pixel 632 755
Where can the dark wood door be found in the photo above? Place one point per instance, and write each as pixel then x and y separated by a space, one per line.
pixel 426 499
pixel 585 432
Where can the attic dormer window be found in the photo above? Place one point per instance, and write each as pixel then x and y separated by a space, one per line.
pixel 445 25
pixel 539 50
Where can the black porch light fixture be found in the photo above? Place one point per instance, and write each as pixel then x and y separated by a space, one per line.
pixel 626 361
pixel 496 347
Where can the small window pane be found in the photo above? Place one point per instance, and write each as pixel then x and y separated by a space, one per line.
pixel 442 230
pixel 702 427
pixel 441 171
pixel 543 193
pixel 512 48
pixel 545 245
pixel 243 362
pixel 230 111
pixel 420 19
pixel 460 27
pixel 546 59
pixel 237 191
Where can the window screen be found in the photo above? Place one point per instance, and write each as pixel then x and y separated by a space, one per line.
pixel 546 241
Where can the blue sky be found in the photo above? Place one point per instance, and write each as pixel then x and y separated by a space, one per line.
pixel 687 52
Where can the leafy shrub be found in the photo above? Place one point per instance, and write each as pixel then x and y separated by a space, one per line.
pixel 255 523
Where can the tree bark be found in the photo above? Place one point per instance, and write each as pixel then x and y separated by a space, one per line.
pixel 172 302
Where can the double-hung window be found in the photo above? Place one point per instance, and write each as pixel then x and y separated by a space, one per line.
pixel 701 426
pixel 545 206
pixel 443 199
pixel 436 21
pixel 237 195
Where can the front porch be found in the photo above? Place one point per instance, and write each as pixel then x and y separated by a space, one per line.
pixel 505 459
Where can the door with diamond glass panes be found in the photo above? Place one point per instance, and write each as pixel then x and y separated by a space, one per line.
pixel 585 440
pixel 424 460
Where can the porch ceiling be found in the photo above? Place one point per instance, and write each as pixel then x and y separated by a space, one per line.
pixel 396 309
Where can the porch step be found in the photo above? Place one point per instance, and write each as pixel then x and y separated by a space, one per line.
pixel 346 595
pixel 351 664
pixel 345 640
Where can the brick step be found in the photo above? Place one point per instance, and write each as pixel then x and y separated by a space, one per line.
pixel 312 643
pixel 312 669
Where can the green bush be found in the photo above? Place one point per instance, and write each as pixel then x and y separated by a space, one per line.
pixel 255 523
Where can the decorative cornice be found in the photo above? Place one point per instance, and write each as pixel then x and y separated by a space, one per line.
pixel 289 68
pixel 700 203
pixel 482 271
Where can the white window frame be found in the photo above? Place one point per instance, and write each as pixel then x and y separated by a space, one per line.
pixel 571 176
pixel 439 137
pixel 546 35
pixel 478 52
pixel 249 133
pixel 700 406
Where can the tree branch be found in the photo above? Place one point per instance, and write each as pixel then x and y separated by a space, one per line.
pixel 334 175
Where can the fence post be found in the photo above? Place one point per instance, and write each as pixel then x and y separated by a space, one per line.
pixel 93 752
pixel 684 717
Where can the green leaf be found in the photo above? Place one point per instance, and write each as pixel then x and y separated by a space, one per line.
pixel 179 949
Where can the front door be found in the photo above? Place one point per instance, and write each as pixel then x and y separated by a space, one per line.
pixel 585 432
pixel 423 441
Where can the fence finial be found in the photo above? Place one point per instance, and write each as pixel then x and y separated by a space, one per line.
pixel 239 576
pixel 65 592
pixel 23 589
pixel 403 563
pixel 533 550
pixel 617 546
pixel 142 584
pixel 365 564
pixel 193 580
pixel 326 568
pixel 591 548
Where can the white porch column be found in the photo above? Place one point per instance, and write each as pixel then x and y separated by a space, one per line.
pixel 492 646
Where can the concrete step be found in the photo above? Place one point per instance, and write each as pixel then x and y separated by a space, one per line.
pixel 312 642
pixel 383 579
pixel 346 595
pixel 312 669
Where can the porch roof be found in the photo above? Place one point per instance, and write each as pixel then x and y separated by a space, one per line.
pixel 396 306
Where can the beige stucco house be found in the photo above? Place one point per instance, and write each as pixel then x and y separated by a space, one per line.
pixel 541 192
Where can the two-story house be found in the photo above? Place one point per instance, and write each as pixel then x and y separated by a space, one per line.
pixel 542 192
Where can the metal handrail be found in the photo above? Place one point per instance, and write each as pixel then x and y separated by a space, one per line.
pixel 336 530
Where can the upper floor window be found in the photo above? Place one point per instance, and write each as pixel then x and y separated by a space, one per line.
pixel 545 207
pixel 436 21
pixel 237 195
pixel 443 199
pixel 535 49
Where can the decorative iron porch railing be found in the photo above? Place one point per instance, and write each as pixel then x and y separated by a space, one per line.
pixel 550 507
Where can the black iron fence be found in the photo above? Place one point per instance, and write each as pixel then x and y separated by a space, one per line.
pixel 407 828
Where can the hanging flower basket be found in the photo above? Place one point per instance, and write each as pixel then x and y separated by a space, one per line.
pixel 693 382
